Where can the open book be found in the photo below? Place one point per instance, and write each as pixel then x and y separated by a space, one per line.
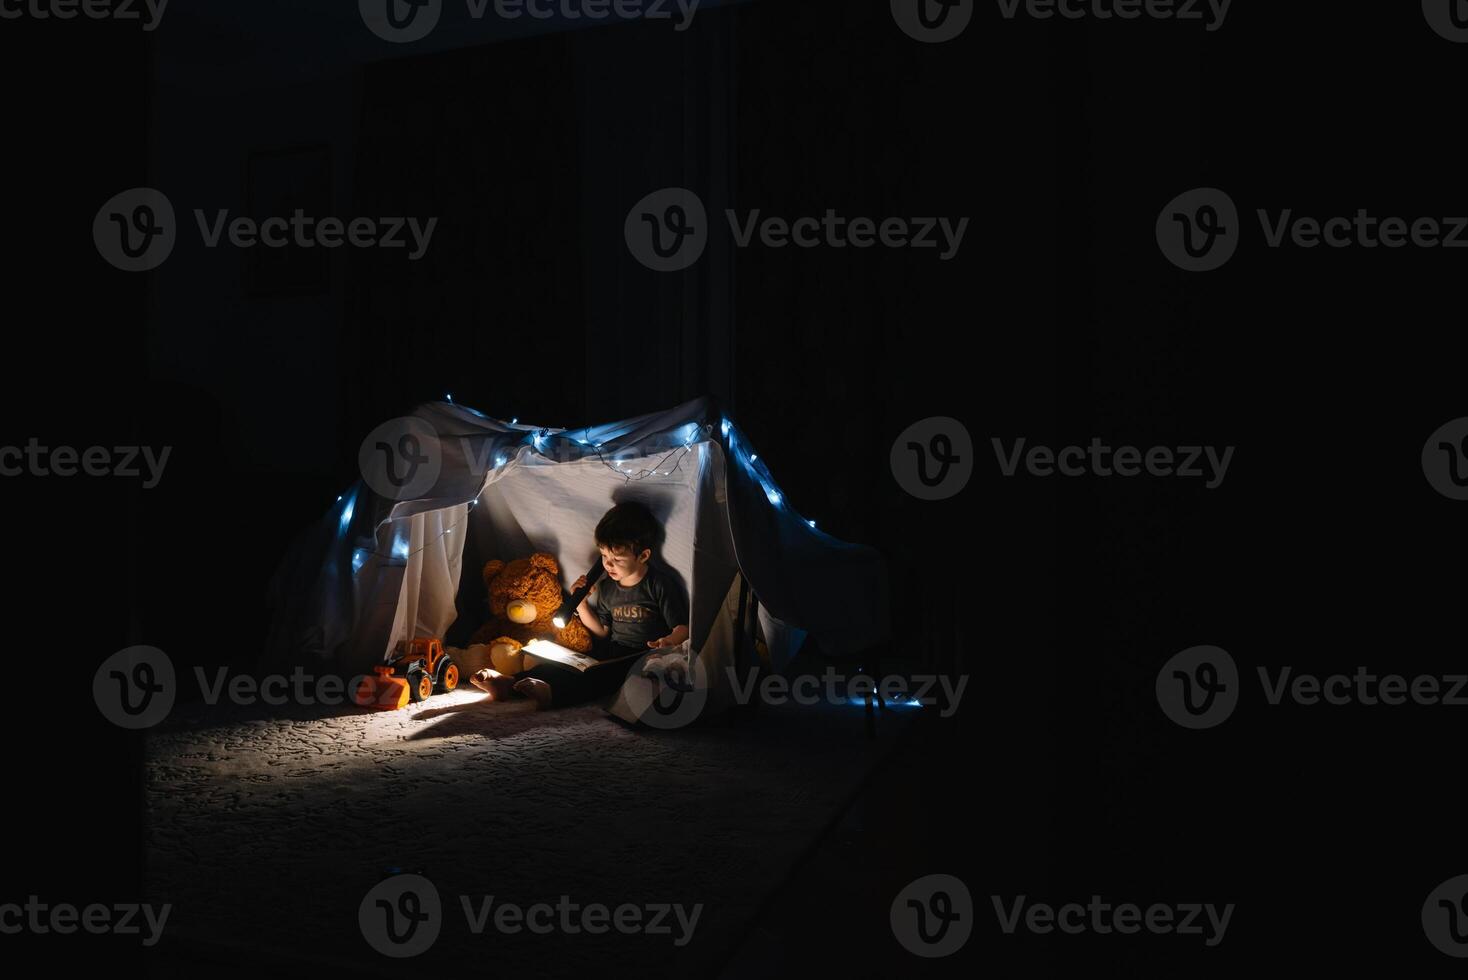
pixel 546 650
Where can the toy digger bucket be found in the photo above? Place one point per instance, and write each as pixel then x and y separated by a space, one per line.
pixel 382 691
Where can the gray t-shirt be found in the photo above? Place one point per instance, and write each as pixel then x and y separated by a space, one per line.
pixel 649 610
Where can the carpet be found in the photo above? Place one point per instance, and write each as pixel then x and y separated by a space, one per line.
pixel 268 826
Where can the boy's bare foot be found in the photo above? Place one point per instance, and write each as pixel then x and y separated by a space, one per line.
pixel 493 683
pixel 537 689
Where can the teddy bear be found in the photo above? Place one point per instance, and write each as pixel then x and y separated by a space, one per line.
pixel 523 596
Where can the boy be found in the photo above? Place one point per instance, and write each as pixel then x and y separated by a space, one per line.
pixel 638 607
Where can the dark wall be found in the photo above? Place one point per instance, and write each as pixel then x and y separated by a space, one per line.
pixel 1057 321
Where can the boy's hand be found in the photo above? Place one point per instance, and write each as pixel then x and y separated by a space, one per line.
pixel 576 585
pixel 664 642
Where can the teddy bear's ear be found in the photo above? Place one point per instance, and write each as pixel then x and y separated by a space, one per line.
pixel 542 560
pixel 492 568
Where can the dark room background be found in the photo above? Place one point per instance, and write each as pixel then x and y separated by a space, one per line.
pixel 1057 321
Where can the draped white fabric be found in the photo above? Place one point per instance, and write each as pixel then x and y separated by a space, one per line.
pixel 434 543
pixel 534 504
pixel 378 569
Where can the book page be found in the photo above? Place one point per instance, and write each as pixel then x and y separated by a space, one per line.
pixel 548 650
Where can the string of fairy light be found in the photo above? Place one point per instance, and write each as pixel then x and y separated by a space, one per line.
pixel 537 437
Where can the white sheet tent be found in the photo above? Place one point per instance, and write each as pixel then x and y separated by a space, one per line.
pixel 377 570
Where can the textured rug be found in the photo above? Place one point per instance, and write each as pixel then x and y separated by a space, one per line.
pixel 267 831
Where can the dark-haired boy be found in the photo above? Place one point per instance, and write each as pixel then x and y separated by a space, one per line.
pixel 639 607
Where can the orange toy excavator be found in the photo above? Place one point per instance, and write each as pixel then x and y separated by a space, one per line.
pixel 416 670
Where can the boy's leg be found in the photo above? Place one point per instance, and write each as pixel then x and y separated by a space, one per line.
pixel 498 686
pixel 608 678
pixel 562 685
pixel 570 686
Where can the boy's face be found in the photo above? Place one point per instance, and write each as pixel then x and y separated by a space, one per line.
pixel 619 563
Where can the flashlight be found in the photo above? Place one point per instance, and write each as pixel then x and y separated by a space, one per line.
pixel 565 614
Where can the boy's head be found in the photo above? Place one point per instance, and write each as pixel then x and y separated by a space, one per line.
pixel 626 536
